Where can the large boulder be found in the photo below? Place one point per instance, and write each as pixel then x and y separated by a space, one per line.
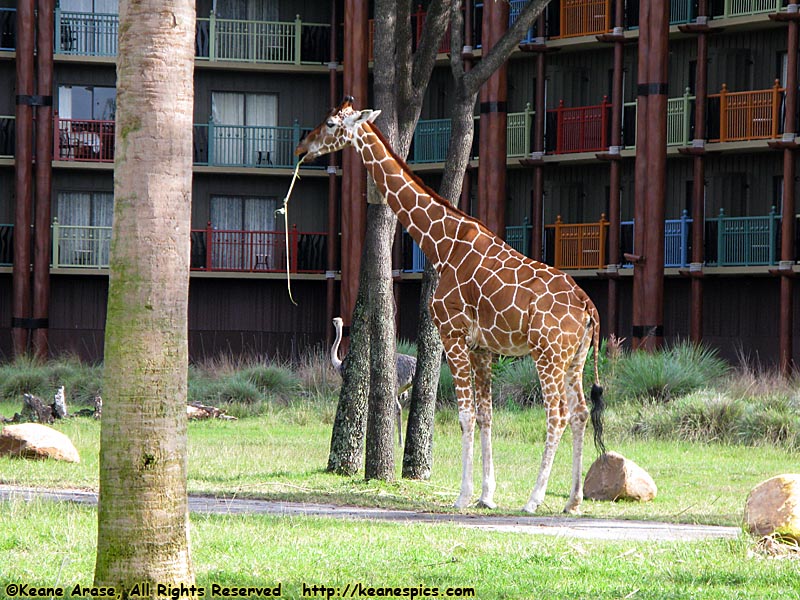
pixel 32 440
pixel 773 508
pixel 614 477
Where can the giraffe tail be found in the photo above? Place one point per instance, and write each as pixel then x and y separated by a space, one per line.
pixel 596 395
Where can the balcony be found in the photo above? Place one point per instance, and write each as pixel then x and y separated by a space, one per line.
pixel 749 115
pixel 86 34
pixel 87 247
pixel 83 140
pixel 246 145
pixel 257 251
pixel 745 8
pixel 417 27
pixel 272 42
pixel 578 129
pixel 583 17
pixel 680 115
pixel 8 29
pixel 729 242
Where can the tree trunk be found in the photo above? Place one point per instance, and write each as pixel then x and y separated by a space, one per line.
pixel 347 437
pixel 381 224
pixel 418 451
pixel 143 507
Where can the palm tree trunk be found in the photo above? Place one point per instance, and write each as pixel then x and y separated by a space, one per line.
pixel 143 508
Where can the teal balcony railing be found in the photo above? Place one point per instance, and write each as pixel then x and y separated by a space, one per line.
pixel 7 136
pixel 746 241
pixel 280 42
pixel 246 145
pixel 80 246
pixel 8 29
pixel 432 137
pixel 86 34
pixel 742 8
pixel 519 237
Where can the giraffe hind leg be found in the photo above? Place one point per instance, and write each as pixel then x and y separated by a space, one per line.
pixel 552 376
pixel 458 358
pixel 482 369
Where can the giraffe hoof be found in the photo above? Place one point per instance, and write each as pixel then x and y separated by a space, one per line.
pixel 530 507
pixel 483 503
pixel 461 502
pixel 572 510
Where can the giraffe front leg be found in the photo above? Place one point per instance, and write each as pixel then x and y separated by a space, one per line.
pixel 457 357
pixel 482 369
pixel 555 405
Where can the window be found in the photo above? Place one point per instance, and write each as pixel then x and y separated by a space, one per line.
pixel 83 234
pixel 87 102
pixel 108 7
pixel 245 129
pixel 244 238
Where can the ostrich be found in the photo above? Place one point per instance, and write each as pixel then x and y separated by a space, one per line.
pixel 405 367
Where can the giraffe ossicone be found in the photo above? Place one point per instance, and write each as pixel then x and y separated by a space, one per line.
pixel 490 300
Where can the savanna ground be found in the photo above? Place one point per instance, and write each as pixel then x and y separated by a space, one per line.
pixel 707 434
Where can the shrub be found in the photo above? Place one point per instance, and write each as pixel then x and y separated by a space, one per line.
pixel 667 374
pixel 272 380
pixel 318 379
pixel 517 384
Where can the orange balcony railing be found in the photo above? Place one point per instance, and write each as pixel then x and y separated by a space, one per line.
pixel 579 245
pixel 584 17
pixel 749 115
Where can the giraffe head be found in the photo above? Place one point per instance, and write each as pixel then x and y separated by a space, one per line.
pixel 336 131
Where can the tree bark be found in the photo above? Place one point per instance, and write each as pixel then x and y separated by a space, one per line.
pixel 143 508
pixel 400 80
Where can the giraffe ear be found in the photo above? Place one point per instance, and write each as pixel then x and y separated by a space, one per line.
pixel 365 116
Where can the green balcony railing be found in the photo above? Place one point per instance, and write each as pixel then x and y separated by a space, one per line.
pixel 86 34
pixel 679 120
pixel 742 8
pixel 280 42
pixel 80 246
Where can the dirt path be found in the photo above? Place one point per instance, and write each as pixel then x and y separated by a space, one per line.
pixel 571 527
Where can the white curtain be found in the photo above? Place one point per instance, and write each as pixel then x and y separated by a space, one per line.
pixel 84 233
pixel 248 10
pixel 239 240
pixel 244 131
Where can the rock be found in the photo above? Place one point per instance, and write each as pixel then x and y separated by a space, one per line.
pixel 773 507
pixel 32 440
pixel 614 477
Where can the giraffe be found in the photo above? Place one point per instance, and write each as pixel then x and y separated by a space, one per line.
pixel 490 299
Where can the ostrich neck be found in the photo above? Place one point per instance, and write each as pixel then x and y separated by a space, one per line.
pixel 337 364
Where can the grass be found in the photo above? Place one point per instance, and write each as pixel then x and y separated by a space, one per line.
pixel 56 548
pixel 282 454
pixel 693 445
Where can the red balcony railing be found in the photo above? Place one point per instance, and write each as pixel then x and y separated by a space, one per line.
pixel 583 128
pixel 83 140
pixel 257 251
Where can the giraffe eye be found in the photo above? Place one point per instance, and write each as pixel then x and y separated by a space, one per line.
pixel 331 124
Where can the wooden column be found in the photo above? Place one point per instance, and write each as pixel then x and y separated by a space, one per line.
pixel 44 169
pixel 537 201
pixel 493 121
pixel 651 164
pixel 332 262
pixel 354 176
pixel 697 150
pixel 23 152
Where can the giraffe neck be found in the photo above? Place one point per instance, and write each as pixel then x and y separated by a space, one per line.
pixel 424 216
